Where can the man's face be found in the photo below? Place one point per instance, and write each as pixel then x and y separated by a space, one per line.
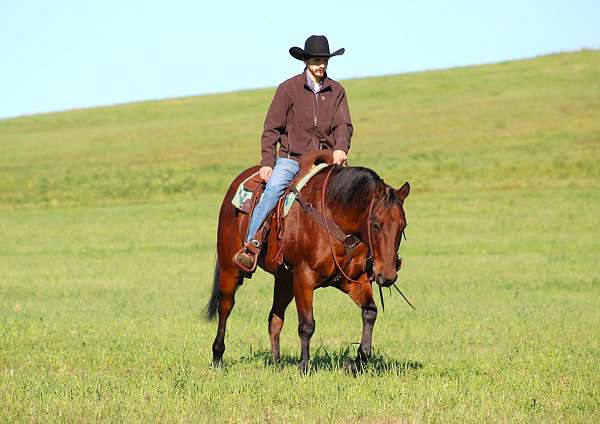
pixel 317 66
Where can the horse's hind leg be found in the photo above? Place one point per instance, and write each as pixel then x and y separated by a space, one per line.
pixel 229 279
pixel 362 295
pixel 283 294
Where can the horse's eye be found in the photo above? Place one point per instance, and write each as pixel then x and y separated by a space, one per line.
pixel 376 227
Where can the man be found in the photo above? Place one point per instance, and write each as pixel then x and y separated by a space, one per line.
pixel 309 111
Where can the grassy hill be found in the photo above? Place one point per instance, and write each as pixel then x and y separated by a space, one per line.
pixel 515 124
pixel 107 232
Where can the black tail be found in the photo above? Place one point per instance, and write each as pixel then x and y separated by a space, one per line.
pixel 213 303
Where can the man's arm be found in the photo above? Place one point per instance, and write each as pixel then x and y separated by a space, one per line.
pixel 274 126
pixel 342 124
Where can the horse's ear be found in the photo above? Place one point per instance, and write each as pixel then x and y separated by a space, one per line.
pixel 403 191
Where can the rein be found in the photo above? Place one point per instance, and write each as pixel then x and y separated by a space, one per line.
pixel 371 257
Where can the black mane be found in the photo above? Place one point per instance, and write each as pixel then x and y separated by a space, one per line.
pixel 352 187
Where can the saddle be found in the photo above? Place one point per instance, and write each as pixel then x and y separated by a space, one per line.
pixel 271 232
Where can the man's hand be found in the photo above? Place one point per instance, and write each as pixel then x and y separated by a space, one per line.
pixel 339 157
pixel 265 173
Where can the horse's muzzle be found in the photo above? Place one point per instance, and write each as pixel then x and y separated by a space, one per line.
pixel 379 278
pixel 383 282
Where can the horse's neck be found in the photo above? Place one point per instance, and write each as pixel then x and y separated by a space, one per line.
pixel 348 219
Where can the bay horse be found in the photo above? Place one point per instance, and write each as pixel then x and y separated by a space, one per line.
pixel 362 205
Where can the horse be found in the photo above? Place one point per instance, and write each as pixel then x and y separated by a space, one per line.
pixel 363 206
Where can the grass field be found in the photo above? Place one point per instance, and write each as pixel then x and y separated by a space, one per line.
pixel 107 235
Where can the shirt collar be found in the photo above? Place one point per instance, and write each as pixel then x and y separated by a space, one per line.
pixel 314 87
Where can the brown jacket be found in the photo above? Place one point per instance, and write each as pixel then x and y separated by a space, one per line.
pixel 301 120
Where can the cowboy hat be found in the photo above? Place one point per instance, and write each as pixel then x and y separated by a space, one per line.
pixel 314 46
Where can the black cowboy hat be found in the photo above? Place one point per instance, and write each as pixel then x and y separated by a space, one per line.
pixel 315 46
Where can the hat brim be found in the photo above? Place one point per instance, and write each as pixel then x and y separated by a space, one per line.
pixel 300 54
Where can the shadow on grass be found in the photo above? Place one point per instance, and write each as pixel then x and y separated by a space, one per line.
pixel 339 360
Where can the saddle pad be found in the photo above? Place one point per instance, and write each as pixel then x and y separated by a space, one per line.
pixel 242 194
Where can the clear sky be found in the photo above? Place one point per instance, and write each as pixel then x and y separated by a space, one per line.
pixel 64 54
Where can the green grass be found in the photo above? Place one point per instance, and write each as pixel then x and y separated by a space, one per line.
pixel 107 234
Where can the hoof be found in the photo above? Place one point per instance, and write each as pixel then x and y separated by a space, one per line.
pixel 303 368
pixel 273 362
pixel 355 367
pixel 217 363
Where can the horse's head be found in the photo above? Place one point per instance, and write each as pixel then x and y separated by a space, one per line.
pixel 385 225
pixel 372 210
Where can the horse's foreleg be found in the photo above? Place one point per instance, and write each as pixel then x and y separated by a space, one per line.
pixel 283 294
pixel 362 295
pixel 303 293
pixel 229 281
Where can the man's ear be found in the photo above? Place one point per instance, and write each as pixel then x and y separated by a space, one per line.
pixel 403 191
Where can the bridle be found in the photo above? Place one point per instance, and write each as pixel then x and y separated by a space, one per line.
pixel 371 256
pixel 369 265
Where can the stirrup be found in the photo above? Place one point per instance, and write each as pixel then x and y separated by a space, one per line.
pixel 247 257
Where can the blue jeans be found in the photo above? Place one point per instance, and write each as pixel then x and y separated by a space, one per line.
pixel 284 171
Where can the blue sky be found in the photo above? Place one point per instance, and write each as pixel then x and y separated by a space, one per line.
pixel 65 54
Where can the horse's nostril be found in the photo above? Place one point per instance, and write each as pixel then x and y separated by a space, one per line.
pixel 385 282
pixel 399 263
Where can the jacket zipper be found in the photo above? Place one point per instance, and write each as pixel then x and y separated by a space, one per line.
pixel 316 112
pixel 316 108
